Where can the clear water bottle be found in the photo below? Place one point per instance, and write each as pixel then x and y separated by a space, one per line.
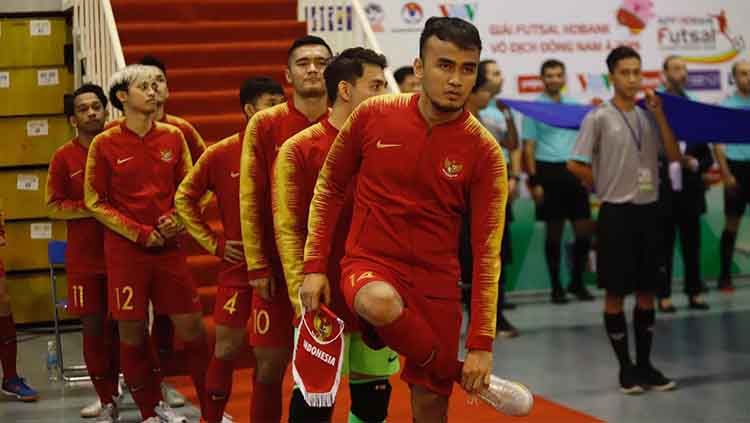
pixel 53 371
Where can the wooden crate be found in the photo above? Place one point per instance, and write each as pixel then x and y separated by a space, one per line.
pixel 27 243
pixel 34 91
pixel 33 42
pixel 32 141
pixel 23 193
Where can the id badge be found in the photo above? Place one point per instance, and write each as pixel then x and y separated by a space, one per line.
pixel 645 180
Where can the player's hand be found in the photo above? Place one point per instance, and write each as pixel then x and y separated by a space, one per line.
pixel 690 162
pixel 476 370
pixel 512 188
pixel 315 287
pixel 537 193
pixel 155 239
pixel 653 102
pixel 265 286
pixel 169 227
pixel 233 252
pixel 730 182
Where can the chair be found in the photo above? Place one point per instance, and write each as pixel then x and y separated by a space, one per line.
pixel 56 256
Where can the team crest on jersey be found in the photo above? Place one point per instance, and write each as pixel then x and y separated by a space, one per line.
pixel 452 168
pixel 323 326
pixel 167 155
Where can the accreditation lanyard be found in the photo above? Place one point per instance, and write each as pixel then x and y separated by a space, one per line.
pixel 636 136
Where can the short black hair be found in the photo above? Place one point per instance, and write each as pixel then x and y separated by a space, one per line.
pixel 69 99
pixel 621 53
pixel 669 58
pixel 149 60
pixel 255 87
pixel 551 64
pixel 349 66
pixel 308 40
pixel 457 31
pixel 402 72
pixel 481 78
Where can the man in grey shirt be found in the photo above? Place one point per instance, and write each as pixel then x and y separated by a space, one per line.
pixel 617 154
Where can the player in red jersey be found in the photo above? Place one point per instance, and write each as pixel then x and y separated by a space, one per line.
pixel 86 110
pixel 352 77
pixel 132 173
pixel 421 162
pixel 218 171
pixel 13 385
pixel 265 133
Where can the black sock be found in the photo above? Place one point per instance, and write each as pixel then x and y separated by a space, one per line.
pixel 643 328
pixel 728 240
pixel 580 257
pixel 300 412
pixel 617 332
pixel 552 254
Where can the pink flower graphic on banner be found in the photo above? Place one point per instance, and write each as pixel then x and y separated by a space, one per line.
pixel 635 14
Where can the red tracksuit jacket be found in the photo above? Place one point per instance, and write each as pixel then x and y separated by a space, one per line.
pixel 218 171
pixel 264 135
pixel 130 181
pixel 414 183
pixel 192 137
pixel 65 177
pixel 297 166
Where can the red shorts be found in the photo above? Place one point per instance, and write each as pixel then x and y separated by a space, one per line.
pixel 273 321
pixel 444 315
pixel 234 297
pixel 87 294
pixel 137 276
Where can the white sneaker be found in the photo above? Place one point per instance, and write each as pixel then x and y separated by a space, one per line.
pixel 507 397
pixel 167 415
pixel 92 410
pixel 109 414
pixel 152 420
pixel 172 397
pixel 227 418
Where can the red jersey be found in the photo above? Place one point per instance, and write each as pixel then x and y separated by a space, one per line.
pixel 218 171
pixel 414 183
pixel 192 137
pixel 85 252
pixel 130 181
pixel 264 135
pixel 297 166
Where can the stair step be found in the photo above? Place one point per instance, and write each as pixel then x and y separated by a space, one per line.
pixel 180 32
pixel 218 102
pixel 211 54
pixel 216 127
pixel 183 11
pixel 221 78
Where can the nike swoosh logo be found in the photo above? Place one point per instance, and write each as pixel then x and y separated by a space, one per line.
pixel 392 359
pixel 126 159
pixel 76 173
pixel 381 145
pixel 234 174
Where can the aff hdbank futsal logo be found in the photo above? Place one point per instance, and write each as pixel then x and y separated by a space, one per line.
pixel 530 84
pixel 699 39
pixel 465 11
pixel 703 80
pixel 599 83
pixel 376 16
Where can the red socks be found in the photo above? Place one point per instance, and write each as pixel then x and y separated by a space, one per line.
pixel 97 353
pixel 411 336
pixel 218 388
pixel 265 406
pixel 138 370
pixel 8 346
pixel 196 352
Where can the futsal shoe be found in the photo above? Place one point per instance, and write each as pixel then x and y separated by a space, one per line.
pixel 18 388
pixel 654 379
pixel 630 383
pixel 507 397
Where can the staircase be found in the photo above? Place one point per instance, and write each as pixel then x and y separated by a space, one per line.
pixel 209 47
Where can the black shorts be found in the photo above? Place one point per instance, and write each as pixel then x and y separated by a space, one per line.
pixel 628 254
pixel 735 201
pixel 564 196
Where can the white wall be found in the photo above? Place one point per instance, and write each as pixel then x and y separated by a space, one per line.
pixel 19 6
